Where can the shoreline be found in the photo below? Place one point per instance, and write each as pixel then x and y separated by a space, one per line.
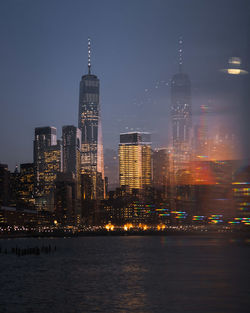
pixel 104 233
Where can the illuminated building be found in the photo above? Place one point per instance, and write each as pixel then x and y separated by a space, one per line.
pixel 89 122
pixel 241 192
pixel 12 216
pixel 205 188
pixel 47 163
pixel 26 187
pixel 4 184
pixel 135 160
pixel 181 111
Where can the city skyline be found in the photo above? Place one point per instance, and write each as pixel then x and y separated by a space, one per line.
pixel 127 102
pixel 124 156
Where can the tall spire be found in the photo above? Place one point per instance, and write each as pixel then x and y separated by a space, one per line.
pixel 180 51
pixel 89 55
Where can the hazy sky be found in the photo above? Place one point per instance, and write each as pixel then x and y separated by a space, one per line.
pixel 43 55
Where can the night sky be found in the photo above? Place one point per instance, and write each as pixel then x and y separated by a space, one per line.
pixel 43 55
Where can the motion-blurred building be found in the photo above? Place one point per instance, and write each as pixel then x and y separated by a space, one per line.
pixel 111 162
pixel 241 192
pixel 162 171
pixel 135 160
pixel 181 110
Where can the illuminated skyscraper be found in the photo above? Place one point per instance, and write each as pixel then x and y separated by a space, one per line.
pixel 26 188
pixel 181 110
pixel 135 160
pixel 89 122
pixel 47 163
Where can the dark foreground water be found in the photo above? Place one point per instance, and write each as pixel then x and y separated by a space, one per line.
pixel 128 274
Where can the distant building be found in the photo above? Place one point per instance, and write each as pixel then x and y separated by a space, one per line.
pixel 89 122
pixel 71 145
pixel 111 168
pixel 135 160
pixel 162 170
pixel 181 110
pixel 14 188
pixel 65 199
pixel 4 184
pixel 26 186
pixel 47 163
pixel 241 192
pixel 71 142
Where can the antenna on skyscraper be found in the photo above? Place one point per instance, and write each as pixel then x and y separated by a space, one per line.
pixel 89 55
pixel 180 51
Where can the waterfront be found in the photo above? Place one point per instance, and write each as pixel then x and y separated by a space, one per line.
pixel 127 274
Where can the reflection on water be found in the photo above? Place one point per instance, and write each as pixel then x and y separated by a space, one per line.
pixel 128 274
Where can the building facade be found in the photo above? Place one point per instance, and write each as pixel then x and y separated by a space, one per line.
pixel 47 163
pixel 89 122
pixel 26 189
pixel 135 160
pixel 161 158
pixel 71 142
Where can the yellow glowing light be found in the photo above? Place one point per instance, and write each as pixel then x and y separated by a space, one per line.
pixel 233 71
pixel 127 226
pixel 235 60
pixel 161 227
pixel 55 222
pixel 109 227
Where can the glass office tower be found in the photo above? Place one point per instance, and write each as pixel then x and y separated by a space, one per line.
pixel 135 160
pixel 89 122
pixel 47 164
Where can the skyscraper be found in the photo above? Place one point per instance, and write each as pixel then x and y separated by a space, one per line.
pixel 161 169
pixel 26 188
pixel 47 163
pixel 181 110
pixel 71 141
pixel 135 160
pixel 89 122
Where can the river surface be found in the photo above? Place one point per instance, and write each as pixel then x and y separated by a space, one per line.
pixel 127 274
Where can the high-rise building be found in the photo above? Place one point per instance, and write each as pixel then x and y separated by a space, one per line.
pixel 111 168
pixel 181 110
pixel 26 187
pixel 71 142
pixel 65 198
pixel 89 122
pixel 4 184
pixel 47 163
pixel 162 169
pixel 135 160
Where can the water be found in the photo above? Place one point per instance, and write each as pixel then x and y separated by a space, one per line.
pixel 127 274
